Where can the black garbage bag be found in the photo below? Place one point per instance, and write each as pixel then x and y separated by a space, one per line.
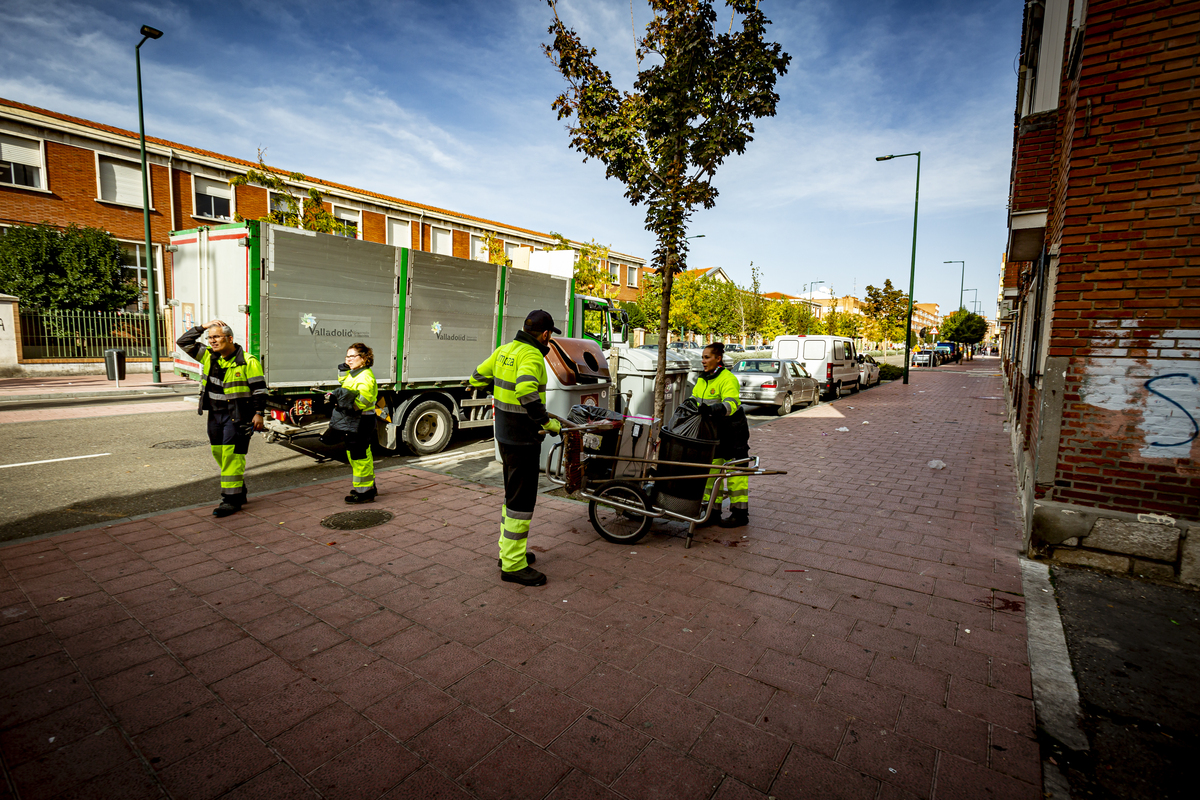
pixel 688 421
pixel 582 415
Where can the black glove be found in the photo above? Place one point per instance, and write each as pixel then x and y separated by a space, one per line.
pixel 705 410
pixel 343 367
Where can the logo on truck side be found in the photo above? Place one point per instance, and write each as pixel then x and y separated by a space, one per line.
pixel 437 330
pixel 341 327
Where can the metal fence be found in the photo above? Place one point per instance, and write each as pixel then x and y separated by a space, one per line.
pixel 87 334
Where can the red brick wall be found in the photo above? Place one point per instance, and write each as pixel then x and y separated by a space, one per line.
pixel 1128 280
pixel 252 202
pixel 374 227
pixel 461 244
pixel 1033 173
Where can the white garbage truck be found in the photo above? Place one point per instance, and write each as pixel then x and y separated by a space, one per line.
pixel 296 299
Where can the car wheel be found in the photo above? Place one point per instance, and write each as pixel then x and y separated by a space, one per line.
pixel 854 389
pixel 427 428
pixel 785 407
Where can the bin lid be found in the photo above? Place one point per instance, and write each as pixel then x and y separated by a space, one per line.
pixel 641 362
pixel 577 361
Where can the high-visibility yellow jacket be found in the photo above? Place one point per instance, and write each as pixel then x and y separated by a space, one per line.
pixel 720 389
pixel 516 374
pixel 237 379
pixel 361 380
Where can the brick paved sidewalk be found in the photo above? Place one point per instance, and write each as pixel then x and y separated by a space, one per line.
pixel 865 638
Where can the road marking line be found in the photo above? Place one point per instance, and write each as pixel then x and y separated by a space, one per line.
pixel 52 460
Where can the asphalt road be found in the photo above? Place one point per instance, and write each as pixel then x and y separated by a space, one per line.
pixel 141 463
pixel 1135 649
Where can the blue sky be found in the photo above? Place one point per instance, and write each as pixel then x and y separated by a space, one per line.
pixel 448 103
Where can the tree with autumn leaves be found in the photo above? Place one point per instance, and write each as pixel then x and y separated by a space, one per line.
pixel 693 103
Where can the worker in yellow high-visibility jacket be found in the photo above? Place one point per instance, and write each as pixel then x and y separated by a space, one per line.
pixel 357 396
pixel 720 400
pixel 516 373
pixel 235 396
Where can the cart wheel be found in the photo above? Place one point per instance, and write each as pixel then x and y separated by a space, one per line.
pixel 616 525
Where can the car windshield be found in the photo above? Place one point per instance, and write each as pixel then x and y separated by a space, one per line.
pixel 762 367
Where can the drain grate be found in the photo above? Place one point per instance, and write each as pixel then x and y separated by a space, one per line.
pixel 179 444
pixel 356 520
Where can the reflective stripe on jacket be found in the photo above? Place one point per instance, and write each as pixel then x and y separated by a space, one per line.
pixel 362 380
pixel 516 373
pixel 236 379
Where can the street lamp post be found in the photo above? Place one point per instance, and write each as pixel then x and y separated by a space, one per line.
pixel 912 274
pixel 961 281
pixel 155 377
pixel 963 307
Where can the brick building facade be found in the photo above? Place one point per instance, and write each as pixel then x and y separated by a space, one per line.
pixel 1099 292
pixel 61 170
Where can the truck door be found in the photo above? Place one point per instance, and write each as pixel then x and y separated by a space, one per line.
pixel 210 278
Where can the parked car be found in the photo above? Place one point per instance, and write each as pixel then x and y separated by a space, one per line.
pixel 868 371
pixel 683 346
pixel 830 359
pixel 734 348
pixel 924 358
pixel 778 382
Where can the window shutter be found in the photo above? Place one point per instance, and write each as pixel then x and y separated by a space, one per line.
pixel 442 242
pixel 120 182
pixel 210 187
pixel 398 233
pixel 20 151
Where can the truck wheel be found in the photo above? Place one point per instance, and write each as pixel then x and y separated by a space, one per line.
pixel 427 428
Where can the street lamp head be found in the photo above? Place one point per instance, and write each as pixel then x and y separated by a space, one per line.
pixel 151 33
pixel 884 158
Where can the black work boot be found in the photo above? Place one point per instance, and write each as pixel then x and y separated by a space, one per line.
pixel 530 557
pixel 526 577
pixel 362 497
pixel 713 519
pixel 738 519
pixel 226 508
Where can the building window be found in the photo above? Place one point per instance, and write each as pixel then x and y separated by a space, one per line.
pixel 614 270
pixel 632 274
pixel 349 218
pixel 120 181
pixel 280 206
pixel 398 232
pixel 511 249
pixel 133 263
pixel 20 161
pixel 441 241
pixel 479 248
pixel 213 198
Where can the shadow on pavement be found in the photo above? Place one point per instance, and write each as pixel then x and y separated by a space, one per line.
pixel 1135 650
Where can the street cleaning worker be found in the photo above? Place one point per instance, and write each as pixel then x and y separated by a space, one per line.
pixel 235 396
pixel 356 400
pixel 517 374
pixel 718 393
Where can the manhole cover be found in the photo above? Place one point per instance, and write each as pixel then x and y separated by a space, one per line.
pixel 356 520
pixel 179 444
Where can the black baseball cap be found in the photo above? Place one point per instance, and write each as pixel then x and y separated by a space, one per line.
pixel 539 321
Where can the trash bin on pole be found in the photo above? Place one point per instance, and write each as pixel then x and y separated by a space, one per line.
pixel 114 365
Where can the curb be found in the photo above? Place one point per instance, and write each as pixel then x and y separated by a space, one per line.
pixel 1055 693
pixel 132 393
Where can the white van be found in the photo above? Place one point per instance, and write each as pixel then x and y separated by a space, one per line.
pixel 830 359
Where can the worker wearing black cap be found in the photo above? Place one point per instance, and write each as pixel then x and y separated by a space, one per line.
pixel 516 374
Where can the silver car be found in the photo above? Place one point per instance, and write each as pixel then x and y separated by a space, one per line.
pixel 868 371
pixel 779 382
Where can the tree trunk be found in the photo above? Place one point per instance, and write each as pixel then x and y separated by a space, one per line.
pixel 664 323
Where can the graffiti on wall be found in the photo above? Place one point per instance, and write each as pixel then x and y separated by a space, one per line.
pixel 1153 377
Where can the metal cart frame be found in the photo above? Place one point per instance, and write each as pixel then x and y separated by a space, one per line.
pixel 632 511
